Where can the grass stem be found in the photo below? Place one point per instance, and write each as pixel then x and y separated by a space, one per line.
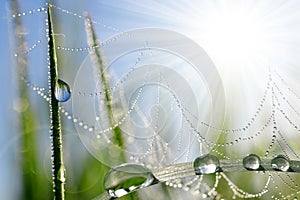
pixel 58 166
pixel 99 62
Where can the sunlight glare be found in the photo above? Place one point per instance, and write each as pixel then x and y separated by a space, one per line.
pixel 235 37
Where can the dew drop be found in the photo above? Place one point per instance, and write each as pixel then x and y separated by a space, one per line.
pixel 280 163
pixel 127 178
pixel 251 162
pixel 62 91
pixel 61 174
pixel 186 188
pixel 206 164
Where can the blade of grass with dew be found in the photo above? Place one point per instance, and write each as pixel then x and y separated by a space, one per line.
pixel 58 166
pixel 35 184
pixel 101 75
pixel 99 68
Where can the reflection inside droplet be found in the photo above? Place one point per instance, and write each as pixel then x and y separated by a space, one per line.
pixel 251 162
pixel 62 91
pixel 206 164
pixel 127 178
pixel 280 163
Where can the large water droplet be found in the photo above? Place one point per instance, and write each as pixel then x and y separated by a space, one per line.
pixel 251 162
pixel 127 178
pixel 206 164
pixel 62 91
pixel 280 163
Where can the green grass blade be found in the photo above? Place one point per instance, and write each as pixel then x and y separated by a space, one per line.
pixel 58 166
pixel 99 68
pixel 100 73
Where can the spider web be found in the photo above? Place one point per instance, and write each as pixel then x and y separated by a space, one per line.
pixel 157 104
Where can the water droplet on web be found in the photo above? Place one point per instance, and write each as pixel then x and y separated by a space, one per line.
pixel 62 91
pixel 127 178
pixel 280 163
pixel 251 162
pixel 206 164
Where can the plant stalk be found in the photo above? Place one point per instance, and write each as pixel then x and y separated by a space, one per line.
pixel 97 58
pixel 57 151
pixel 107 110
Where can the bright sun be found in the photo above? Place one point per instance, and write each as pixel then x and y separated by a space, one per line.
pixel 233 35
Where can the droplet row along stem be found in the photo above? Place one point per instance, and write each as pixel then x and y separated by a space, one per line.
pixel 117 179
pixel 183 170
